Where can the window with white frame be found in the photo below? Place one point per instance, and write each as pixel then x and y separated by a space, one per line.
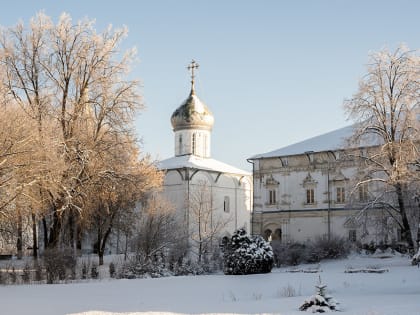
pixel 363 193
pixel 310 196
pixel 340 195
pixel 272 197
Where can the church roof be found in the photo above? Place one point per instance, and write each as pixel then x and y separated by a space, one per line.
pixel 333 140
pixel 192 113
pixel 207 164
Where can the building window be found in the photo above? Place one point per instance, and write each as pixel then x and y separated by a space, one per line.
pixel 226 204
pixel 272 197
pixel 310 196
pixel 206 153
pixel 180 144
pixel 194 143
pixel 352 236
pixel 341 197
pixel 363 192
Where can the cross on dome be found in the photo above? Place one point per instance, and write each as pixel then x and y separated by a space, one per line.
pixel 191 67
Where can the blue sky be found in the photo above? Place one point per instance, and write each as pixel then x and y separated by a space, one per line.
pixel 272 72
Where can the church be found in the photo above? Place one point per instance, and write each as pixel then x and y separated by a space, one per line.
pixel 212 198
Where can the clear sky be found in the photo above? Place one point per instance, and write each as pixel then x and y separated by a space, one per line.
pixel 272 72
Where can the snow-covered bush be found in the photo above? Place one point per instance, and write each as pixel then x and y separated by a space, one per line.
pixel 186 267
pixel 141 266
pixel 94 273
pixel 320 302
pixel 416 259
pixel 245 254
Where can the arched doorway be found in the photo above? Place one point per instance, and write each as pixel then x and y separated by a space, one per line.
pixel 277 235
pixel 268 235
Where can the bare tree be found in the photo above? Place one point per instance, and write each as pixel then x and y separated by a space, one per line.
pixel 115 191
pixel 205 222
pixel 386 109
pixel 70 81
pixel 17 174
pixel 157 230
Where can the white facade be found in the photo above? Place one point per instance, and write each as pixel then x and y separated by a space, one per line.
pixel 229 196
pixel 191 141
pixel 306 190
pixel 208 194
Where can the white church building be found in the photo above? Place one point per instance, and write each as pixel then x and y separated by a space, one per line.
pixel 212 199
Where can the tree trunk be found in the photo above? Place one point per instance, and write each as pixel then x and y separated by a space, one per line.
pixel 34 237
pixel 45 232
pixel 72 230
pixel 54 231
pixel 406 231
pixel 102 244
pixel 19 242
pixel 101 257
pixel 126 246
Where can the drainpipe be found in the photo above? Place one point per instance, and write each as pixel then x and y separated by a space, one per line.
pixel 251 228
pixel 329 201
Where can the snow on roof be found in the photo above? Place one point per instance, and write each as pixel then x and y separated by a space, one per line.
pixel 192 161
pixel 329 141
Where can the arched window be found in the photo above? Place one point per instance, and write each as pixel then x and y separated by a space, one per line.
pixel 226 204
pixel 205 145
pixel 194 143
pixel 180 145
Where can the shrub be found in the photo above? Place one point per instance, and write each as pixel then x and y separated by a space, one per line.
pixel 26 274
pixel 296 253
pixel 112 270
pixel 141 266
pixel 289 254
pixel 94 273
pixel 245 254
pixel 58 262
pixel 38 271
pixel 13 275
pixel 2 278
pixel 84 270
pixel 186 267
pixel 334 248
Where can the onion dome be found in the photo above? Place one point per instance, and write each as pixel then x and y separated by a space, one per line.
pixel 193 113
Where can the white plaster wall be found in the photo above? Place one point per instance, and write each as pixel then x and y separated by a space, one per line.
pixel 238 189
pixel 202 142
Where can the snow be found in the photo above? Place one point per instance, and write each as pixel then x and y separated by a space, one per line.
pixel 333 140
pixel 329 141
pixel 192 161
pixel 392 293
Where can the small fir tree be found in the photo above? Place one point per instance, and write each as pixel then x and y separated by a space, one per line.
pixel 320 302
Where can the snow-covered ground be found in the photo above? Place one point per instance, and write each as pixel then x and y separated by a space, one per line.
pixel 396 292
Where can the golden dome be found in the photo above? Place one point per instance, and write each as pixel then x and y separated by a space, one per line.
pixel 192 114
